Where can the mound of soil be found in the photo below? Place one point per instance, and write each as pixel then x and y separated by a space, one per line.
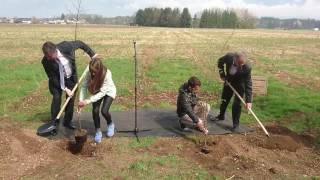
pixel 87 149
pixel 279 142
pixel 285 155
pixel 306 139
pixel 248 157
pixel 20 150
pixel 218 147
pixel 281 138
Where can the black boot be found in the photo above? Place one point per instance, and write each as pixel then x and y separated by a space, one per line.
pixel 219 118
pixel 236 130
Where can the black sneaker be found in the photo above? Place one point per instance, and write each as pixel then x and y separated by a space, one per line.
pixel 183 127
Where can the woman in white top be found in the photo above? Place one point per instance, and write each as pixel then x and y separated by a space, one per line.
pixel 100 84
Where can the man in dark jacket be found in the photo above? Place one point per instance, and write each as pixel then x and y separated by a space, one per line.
pixel 189 109
pixel 234 69
pixel 60 67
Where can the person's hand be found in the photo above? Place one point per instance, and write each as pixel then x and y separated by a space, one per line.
pixel 82 104
pixel 199 123
pixel 222 79
pixel 69 92
pixel 201 127
pixel 96 57
pixel 249 105
pixel 205 131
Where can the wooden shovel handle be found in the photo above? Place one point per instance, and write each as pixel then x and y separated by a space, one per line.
pixel 250 110
pixel 73 90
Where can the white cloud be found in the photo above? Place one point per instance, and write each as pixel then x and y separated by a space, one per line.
pixel 309 9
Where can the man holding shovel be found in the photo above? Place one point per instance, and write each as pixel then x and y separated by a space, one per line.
pixel 234 69
pixel 60 67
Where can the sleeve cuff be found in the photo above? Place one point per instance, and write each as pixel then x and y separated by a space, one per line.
pixel 196 120
pixel 94 56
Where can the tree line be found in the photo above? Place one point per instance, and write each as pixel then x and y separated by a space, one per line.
pixel 227 18
pixel 163 17
pixel 210 18
pixel 274 23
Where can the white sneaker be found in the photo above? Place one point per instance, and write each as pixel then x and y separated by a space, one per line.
pixel 110 130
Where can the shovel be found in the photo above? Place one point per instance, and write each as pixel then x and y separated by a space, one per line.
pixel 49 128
pixel 250 110
pixel 73 90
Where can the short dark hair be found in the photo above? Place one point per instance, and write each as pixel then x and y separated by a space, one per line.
pixel 193 82
pixel 48 47
pixel 239 55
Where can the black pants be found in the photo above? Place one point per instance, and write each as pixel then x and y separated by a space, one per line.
pixel 227 94
pixel 107 101
pixel 56 102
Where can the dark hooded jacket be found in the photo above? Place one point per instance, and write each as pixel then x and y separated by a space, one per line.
pixel 186 102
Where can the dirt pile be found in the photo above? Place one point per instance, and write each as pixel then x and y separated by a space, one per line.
pixel 279 142
pixel 20 150
pixel 86 149
pixel 285 155
pixel 281 138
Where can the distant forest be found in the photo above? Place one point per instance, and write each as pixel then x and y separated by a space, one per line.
pixel 275 23
pixel 208 18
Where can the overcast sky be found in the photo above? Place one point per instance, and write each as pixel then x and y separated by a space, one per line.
pixel 50 8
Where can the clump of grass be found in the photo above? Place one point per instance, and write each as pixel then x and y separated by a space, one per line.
pixel 165 167
pixel 169 74
pixel 144 142
pixel 17 81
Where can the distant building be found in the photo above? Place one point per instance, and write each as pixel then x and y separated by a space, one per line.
pixel 21 20
pixel 12 20
pixel 26 22
pixel 57 21
pixel 316 29
pixel 4 20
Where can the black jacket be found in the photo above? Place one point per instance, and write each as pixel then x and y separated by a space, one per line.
pixel 67 48
pixel 186 102
pixel 242 77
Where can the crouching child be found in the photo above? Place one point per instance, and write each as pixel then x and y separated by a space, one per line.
pixel 192 113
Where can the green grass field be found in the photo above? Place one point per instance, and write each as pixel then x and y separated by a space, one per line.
pixel 167 58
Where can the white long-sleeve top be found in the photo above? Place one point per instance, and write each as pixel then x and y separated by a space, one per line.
pixel 107 88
